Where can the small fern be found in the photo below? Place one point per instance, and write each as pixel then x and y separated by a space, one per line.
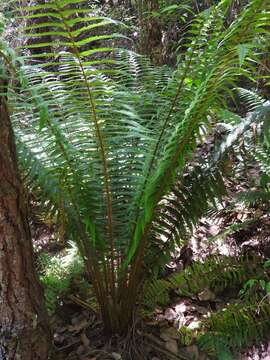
pixel 217 273
pixel 234 328
pixel 186 336
pixel 156 293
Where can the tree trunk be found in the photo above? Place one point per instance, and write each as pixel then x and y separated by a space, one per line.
pixel 24 331
pixel 151 31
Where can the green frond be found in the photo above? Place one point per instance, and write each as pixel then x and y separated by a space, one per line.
pixel 212 78
pixel 261 155
pixel 259 116
pixel 233 228
pixel 217 273
pixel 234 328
pixel 156 292
pixel 254 197
pixel 251 99
pixel 189 200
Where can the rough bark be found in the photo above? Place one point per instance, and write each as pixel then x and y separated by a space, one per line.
pixel 24 333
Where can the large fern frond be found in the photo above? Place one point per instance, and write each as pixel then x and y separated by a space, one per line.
pixel 210 80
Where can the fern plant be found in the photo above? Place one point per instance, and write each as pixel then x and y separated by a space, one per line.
pixel 104 137
pixel 217 273
pixel 254 131
pixel 234 328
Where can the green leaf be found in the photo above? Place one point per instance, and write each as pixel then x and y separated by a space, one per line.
pixel 243 51
pixel 267 288
pixel 264 180
pixel 170 8
pixel 43 115
pixel 263 284
pixel 225 355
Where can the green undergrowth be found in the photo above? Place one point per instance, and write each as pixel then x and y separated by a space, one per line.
pixel 59 274
pixel 232 329
pixel 236 327
pixel 217 273
pixel 241 323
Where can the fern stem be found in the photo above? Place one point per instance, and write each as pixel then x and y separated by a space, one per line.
pixel 104 162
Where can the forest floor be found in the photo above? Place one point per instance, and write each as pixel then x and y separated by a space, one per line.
pixel 77 330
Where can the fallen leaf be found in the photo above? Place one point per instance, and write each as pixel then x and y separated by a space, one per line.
pixel 181 308
pixel 172 346
pixel 85 340
pixel 116 356
pixel 170 314
pixel 169 334
pixel 213 230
